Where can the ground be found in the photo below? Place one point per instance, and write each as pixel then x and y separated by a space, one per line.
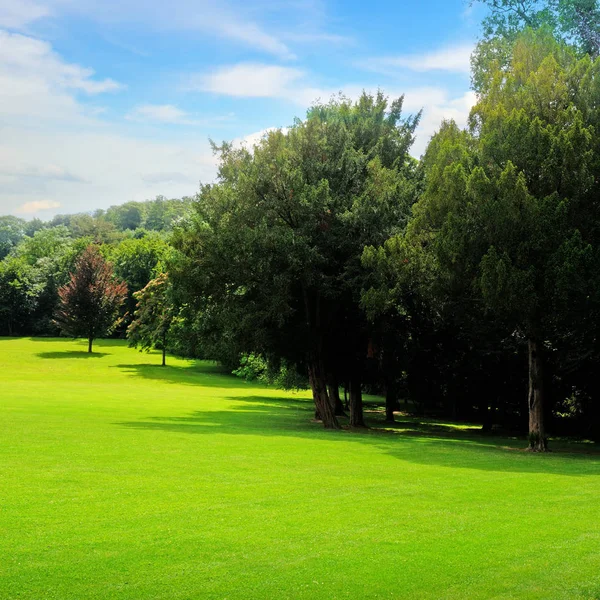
pixel 122 479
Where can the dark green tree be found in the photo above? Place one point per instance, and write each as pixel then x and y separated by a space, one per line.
pixel 272 256
pixel 501 218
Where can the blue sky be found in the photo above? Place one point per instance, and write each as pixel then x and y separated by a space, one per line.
pixel 106 101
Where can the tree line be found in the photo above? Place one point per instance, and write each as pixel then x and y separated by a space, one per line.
pixel 467 281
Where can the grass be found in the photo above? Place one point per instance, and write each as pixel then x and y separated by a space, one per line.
pixel 121 479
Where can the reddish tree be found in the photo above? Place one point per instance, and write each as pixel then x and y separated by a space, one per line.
pixel 90 302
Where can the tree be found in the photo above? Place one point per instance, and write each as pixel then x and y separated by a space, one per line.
pixel 153 317
pixel 44 243
pixel 272 255
pixel 20 288
pixel 90 302
pixel 12 230
pixel 573 22
pixel 137 261
pixel 126 216
pixel 509 212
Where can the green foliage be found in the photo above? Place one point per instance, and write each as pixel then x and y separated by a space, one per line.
pixel 20 288
pixel 575 21
pixel 12 231
pixel 153 316
pixel 252 367
pixel 90 301
pixel 44 243
pixel 137 261
pixel 271 260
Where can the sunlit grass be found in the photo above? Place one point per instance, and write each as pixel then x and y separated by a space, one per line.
pixel 121 479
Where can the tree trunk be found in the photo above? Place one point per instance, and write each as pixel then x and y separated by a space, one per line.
pixel 333 388
pixel 90 340
pixel 537 434
pixel 390 402
pixel 356 404
pixel 164 356
pixel 323 407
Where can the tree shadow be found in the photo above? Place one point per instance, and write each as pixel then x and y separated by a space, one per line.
pixel 203 374
pixel 71 354
pixel 410 440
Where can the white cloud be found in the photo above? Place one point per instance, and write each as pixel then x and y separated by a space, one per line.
pixel 252 139
pixel 320 38
pixel 249 80
pixel 252 35
pixel 17 14
pixel 109 167
pixel 56 153
pixel 453 59
pixel 36 82
pixel 217 19
pixel 36 206
pixel 169 114
pixel 31 57
pixel 49 172
pixel 457 108
pixel 290 84
pixel 163 113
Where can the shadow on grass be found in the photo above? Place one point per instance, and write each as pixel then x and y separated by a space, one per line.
pixel 71 354
pixel 410 440
pixel 206 374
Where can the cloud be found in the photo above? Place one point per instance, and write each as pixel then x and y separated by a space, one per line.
pixel 112 167
pixel 252 139
pixel 17 14
pixel 49 172
pixel 252 35
pixel 56 151
pixel 168 178
pixel 289 84
pixel 162 113
pixel 456 108
pixel 35 82
pixel 169 114
pixel 320 38
pixel 28 57
pixel 453 59
pixel 217 19
pixel 248 80
pixel 34 207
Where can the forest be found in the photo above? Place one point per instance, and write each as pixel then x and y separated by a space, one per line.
pixel 465 283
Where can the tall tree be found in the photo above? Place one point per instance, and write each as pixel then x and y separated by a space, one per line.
pixel 574 22
pixel 90 302
pixel 506 213
pixel 273 253
pixel 153 317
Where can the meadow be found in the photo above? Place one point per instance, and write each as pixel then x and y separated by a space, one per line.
pixel 123 479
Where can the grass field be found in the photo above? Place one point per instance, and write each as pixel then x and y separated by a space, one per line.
pixel 121 479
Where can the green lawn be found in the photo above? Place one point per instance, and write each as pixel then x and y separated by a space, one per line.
pixel 121 479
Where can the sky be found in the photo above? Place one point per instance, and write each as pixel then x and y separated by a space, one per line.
pixel 107 101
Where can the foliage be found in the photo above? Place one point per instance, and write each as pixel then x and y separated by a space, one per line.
pixel 153 316
pixel 12 231
pixel 19 293
pixel 272 253
pixel 89 303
